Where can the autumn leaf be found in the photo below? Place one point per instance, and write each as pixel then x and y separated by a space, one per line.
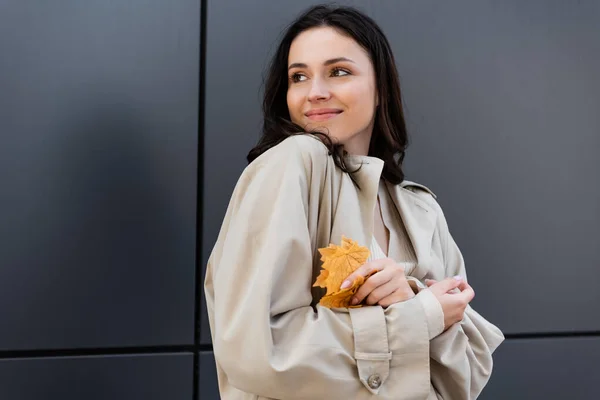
pixel 322 279
pixel 338 263
pixel 343 298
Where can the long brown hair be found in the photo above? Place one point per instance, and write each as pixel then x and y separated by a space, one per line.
pixel 390 138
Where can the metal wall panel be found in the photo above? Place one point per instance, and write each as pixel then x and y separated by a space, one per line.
pixel 126 377
pixel 98 172
pixel 545 369
pixel 209 387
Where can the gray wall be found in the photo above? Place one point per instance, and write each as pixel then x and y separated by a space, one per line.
pixel 98 174
pixel 502 101
pixel 103 223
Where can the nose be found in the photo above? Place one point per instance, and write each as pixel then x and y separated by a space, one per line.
pixel 318 91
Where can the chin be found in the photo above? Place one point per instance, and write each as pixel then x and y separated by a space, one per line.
pixel 325 127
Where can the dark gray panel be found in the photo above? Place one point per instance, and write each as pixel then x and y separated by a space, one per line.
pixel 209 386
pixel 501 100
pixel 545 369
pixel 98 165
pixel 157 377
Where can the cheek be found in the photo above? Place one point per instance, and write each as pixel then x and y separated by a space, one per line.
pixel 294 103
pixel 357 92
pixel 361 98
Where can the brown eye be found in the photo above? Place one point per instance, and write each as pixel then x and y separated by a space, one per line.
pixel 297 77
pixel 339 72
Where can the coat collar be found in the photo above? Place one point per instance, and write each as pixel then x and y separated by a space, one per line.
pixel 418 217
pixel 351 200
pixel 420 220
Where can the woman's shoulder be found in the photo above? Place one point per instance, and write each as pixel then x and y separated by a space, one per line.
pixel 417 188
pixel 425 194
pixel 305 145
pixel 284 168
pixel 301 150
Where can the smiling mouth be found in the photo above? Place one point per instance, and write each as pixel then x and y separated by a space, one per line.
pixel 323 116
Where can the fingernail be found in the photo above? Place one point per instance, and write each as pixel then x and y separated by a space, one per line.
pixel 458 278
pixel 354 301
pixel 345 285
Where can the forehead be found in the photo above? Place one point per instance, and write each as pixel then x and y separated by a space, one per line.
pixel 317 45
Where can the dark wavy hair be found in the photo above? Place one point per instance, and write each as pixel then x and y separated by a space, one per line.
pixel 390 138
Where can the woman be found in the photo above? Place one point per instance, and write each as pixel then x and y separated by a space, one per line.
pixel 329 164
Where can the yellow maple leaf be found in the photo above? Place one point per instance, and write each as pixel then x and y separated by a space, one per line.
pixel 343 298
pixel 338 263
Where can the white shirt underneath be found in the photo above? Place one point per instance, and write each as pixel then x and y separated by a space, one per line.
pixel 376 251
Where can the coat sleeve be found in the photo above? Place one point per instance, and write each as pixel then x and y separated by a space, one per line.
pixel 267 338
pixel 461 357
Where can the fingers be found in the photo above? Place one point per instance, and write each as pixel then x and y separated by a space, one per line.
pixel 366 269
pixel 396 297
pixel 461 287
pixel 380 293
pixel 466 292
pixel 381 278
pixel 430 282
pixel 389 289
pixel 448 284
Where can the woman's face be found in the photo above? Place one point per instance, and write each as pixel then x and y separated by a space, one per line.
pixel 331 84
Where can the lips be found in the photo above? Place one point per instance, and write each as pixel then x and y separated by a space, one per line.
pixel 322 113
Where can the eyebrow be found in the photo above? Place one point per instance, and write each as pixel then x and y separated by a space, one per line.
pixel 328 62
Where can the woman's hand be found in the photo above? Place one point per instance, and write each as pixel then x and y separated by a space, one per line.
pixel 454 294
pixel 387 286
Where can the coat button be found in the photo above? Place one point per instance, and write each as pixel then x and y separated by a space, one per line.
pixel 374 381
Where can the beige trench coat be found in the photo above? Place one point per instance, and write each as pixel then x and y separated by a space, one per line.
pixel 271 340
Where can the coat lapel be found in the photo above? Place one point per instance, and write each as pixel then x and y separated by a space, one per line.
pixel 353 216
pixel 354 211
pixel 420 221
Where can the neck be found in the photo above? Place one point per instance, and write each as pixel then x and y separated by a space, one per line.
pixel 358 145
